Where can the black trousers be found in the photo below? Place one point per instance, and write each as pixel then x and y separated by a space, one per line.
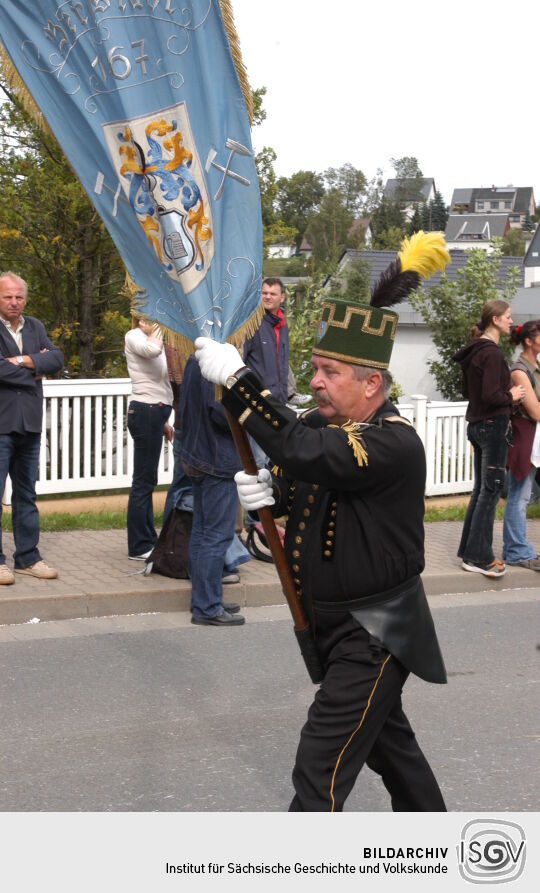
pixel 357 718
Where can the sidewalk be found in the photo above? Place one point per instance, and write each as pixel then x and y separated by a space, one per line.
pixel 96 578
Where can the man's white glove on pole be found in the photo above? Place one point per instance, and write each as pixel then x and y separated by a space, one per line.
pixel 254 492
pixel 217 361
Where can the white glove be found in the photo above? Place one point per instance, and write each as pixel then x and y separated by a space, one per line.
pixel 217 361
pixel 254 492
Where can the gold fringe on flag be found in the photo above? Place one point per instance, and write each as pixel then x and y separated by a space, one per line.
pixel 234 43
pixel 20 90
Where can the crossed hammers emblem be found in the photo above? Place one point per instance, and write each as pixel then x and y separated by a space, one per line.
pixel 234 146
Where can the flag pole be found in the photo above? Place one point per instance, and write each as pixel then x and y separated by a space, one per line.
pixel 302 628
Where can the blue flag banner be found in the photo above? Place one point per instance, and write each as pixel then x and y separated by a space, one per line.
pixel 145 100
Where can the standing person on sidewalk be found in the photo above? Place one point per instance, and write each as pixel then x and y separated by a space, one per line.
pixel 486 385
pixel 26 355
pixel 147 421
pixel 211 460
pixel 525 372
pixel 267 352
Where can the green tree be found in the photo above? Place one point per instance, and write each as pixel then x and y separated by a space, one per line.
pixel 297 197
pixel 53 237
pixel 264 162
pixel 513 243
pixel 357 281
pixel 528 225
pixel 387 217
pixel 439 213
pixel 373 193
pixel 259 113
pixel 278 233
pixel 302 320
pixel 411 179
pixel 390 239
pixel 416 222
pixel 327 230
pixel 352 184
pixel 450 310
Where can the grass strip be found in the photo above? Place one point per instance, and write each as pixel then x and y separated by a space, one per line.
pixel 60 521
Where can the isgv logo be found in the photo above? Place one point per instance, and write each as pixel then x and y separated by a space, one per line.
pixel 491 851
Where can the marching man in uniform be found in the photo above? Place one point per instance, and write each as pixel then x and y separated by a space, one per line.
pixel 351 482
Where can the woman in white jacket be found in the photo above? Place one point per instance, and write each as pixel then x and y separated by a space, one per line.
pixel 147 422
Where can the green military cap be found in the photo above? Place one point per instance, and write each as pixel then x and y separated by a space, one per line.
pixel 364 333
pixel 356 333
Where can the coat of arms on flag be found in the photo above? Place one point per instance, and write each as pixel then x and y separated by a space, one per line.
pixel 156 162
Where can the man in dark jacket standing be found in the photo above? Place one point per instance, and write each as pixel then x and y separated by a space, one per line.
pixel 267 352
pixel 26 355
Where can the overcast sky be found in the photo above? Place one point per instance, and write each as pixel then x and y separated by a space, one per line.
pixel 454 85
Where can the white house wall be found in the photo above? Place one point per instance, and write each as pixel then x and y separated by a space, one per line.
pixel 413 348
pixel 532 276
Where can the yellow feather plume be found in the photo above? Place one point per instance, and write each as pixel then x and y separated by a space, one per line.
pixel 425 253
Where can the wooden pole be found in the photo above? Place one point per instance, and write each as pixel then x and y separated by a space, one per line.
pixel 301 624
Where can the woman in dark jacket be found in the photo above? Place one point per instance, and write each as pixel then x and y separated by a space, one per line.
pixel 486 385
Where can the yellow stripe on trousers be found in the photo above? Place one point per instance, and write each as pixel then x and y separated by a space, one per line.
pixel 357 729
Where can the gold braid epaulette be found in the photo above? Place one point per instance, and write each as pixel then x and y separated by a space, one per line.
pixel 352 430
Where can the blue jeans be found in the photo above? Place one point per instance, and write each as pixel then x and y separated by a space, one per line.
pixel 180 483
pixel 145 424
pixel 214 517
pixel 515 545
pixel 490 445
pixel 19 457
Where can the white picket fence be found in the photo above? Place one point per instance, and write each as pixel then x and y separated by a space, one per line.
pixel 85 445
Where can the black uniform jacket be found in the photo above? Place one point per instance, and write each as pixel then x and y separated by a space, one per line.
pixel 354 497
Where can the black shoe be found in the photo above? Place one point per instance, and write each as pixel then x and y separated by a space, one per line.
pixel 224 619
pixel 229 607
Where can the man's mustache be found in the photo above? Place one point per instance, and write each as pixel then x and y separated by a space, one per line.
pixel 321 398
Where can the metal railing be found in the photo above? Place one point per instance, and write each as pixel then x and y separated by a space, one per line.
pixel 85 445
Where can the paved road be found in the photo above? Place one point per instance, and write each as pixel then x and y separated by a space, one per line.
pixel 149 713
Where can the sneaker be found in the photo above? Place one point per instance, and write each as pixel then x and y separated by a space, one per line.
pixel 300 399
pixel 142 557
pixel 6 575
pixel 533 564
pixel 493 569
pixel 230 578
pixel 40 570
